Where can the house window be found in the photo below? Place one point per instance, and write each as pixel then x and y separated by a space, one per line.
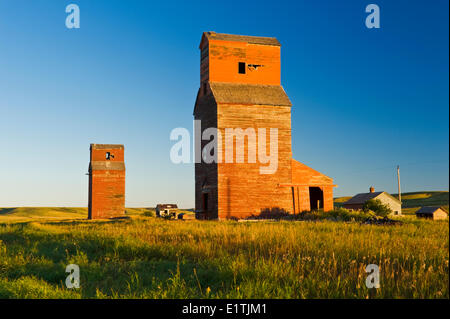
pixel 241 67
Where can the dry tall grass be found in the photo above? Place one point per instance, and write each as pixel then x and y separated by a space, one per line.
pixel 153 258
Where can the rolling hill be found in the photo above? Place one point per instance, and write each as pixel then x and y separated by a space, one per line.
pixel 21 214
pixel 411 201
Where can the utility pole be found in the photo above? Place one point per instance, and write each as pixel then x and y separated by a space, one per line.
pixel 398 179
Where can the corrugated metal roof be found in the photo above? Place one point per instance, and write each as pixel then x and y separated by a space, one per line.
pixel 211 35
pixel 428 209
pixel 252 94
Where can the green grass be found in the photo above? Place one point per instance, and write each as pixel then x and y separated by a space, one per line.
pixel 145 257
pixel 20 214
pixel 417 199
pixel 139 211
pixel 341 199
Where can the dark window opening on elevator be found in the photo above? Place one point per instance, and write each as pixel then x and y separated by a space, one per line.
pixel 109 156
pixel 241 67
pixel 205 202
pixel 254 67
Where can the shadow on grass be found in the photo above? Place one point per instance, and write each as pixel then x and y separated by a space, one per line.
pixel 7 211
pixel 109 266
pixel 87 222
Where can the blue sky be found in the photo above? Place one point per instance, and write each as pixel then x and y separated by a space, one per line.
pixel 364 100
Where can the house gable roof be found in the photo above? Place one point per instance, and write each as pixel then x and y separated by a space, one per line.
pixel 364 197
pixel 429 210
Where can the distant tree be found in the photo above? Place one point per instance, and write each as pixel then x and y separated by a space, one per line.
pixel 149 213
pixel 376 206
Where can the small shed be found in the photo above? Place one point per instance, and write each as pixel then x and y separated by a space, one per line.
pixel 166 210
pixel 357 201
pixel 311 190
pixel 432 212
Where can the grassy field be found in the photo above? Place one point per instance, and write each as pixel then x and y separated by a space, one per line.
pixel 147 257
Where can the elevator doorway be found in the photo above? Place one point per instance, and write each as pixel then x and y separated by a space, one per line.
pixel 315 198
